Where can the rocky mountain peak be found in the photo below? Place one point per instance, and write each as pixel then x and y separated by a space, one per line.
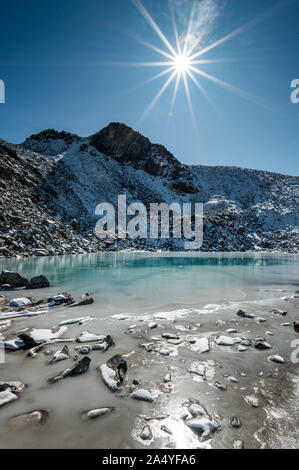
pixel 50 141
pixel 52 134
pixel 117 139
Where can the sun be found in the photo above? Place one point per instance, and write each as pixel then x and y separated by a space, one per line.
pixel 182 63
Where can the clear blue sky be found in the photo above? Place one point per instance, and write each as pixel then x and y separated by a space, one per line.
pixel 54 55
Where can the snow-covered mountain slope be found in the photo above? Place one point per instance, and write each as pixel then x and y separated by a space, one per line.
pixel 243 209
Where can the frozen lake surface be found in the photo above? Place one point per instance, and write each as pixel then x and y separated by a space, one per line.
pixel 194 297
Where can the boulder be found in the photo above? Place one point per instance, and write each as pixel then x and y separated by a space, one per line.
pixel 142 394
pixel 96 413
pixel 80 367
pixel 114 371
pixel 38 282
pixel 14 279
pixel 19 302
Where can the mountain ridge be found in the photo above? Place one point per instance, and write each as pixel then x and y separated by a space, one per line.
pixel 51 131
pixel 66 176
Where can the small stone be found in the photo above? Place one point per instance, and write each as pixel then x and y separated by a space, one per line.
pixel 280 312
pixel 238 444
pixel 204 426
pixel 220 386
pixel 251 400
pixel 235 422
pixel 199 370
pixel 277 358
pixel 170 336
pixel 232 379
pixel 260 320
pixel 96 413
pixel 98 347
pixel 142 394
pixel 243 314
pixel 146 433
pixel 164 352
pixel 85 350
pixel 197 410
pixel 166 429
pixel 224 340
pixel 259 344
pixel 167 378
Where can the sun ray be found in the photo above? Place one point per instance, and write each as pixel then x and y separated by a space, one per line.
pixel 138 64
pixel 151 46
pixel 237 91
pixel 153 24
pixel 155 77
pixel 178 45
pixel 175 91
pixel 190 102
pixel 189 29
pixel 201 88
pixel 158 96
pixel 217 61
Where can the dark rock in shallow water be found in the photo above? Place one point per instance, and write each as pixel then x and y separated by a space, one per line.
pixel 14 387
pixel 38 282
pixel 146 433
pixel 220 386
pixel 260 344
pixel 296 326
pixel 79 368
pixel 14 279
pixel 235 422
pixel 83 302
pixel 28 341
pixel 60 299
pixel 60 355
pixel 283 313
pixel 109 343
pixel 166 429
pixel 7 287
pixel 243 314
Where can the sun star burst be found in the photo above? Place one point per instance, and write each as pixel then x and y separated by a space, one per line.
pixel 182 61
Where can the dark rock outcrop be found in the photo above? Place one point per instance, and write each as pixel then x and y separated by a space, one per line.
pixel 13 279
pixel 120 140
pixel 38 282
